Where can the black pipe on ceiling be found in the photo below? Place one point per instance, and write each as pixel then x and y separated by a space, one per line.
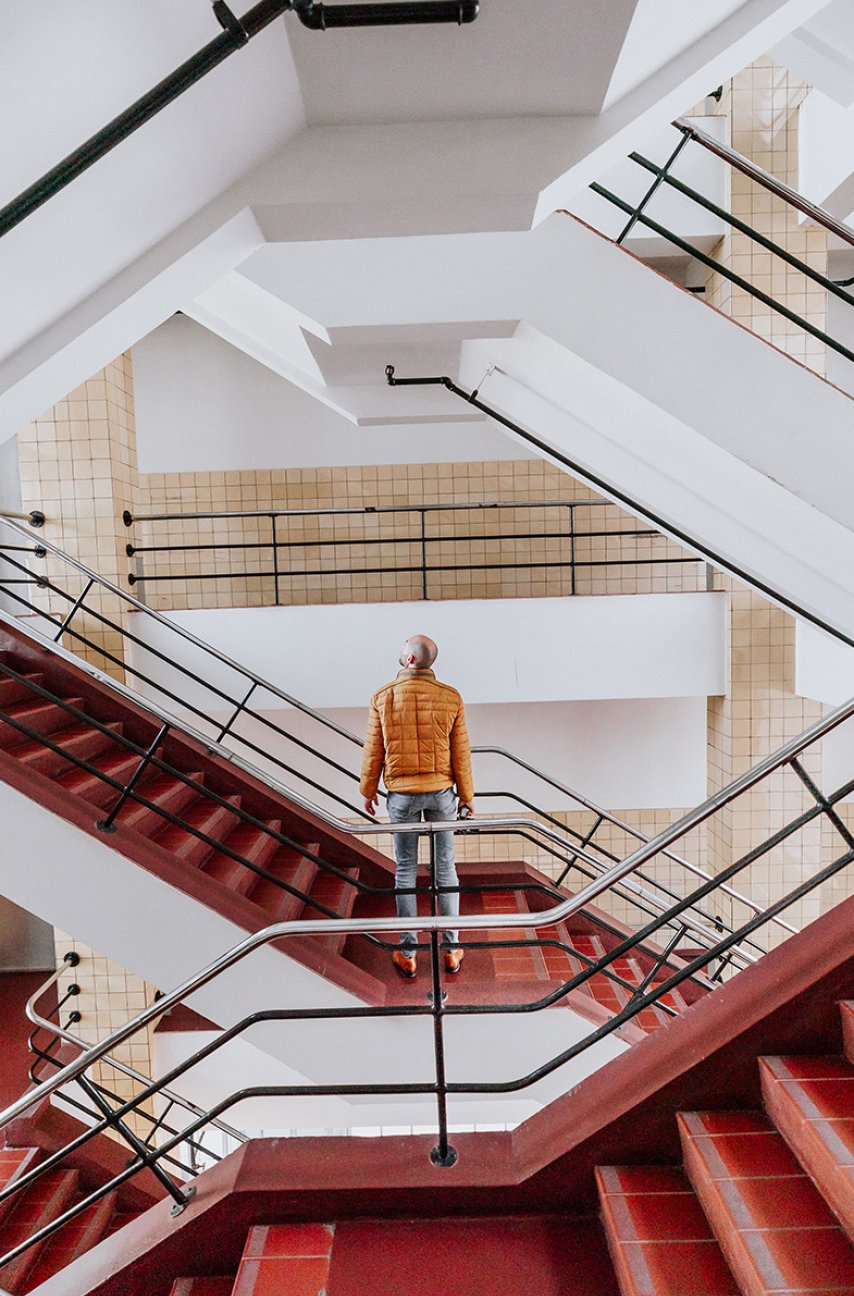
pixel 235 34
pixel 323 17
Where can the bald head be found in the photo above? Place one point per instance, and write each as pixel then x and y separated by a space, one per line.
pixel 418 652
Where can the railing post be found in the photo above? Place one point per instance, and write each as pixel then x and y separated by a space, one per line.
pixel 275 559
pixel 442 1154
pixel 571 510
pixel 423 513
pixel 659 178
pixel 108 825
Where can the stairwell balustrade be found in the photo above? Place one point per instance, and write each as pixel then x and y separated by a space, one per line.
pixel 684 944
pixel 561 543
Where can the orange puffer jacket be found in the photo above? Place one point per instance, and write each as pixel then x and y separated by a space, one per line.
pixel 417 738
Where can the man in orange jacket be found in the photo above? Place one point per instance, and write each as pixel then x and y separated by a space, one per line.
pixel 417 739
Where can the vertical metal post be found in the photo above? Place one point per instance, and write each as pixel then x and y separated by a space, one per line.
pixel 571 511
pixel 275 559
pixel 442 1154
pixel 659 177
pixel 423 513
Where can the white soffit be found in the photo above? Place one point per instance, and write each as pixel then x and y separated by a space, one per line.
pixel 484 69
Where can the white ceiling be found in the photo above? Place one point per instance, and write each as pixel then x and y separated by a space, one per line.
pixel 304 135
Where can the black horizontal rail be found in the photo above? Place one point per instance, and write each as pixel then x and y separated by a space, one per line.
pixel 421 541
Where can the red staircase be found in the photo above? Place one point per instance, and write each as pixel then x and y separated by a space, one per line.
pixel 764 1202
pixel 198 855
pixel 58 1190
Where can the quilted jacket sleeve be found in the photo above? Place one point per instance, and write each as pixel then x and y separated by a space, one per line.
pixel 373 755
pixel 461 757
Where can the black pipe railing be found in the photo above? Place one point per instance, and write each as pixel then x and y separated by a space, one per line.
pixel 236 32
pixel 637 215
pixel 419 540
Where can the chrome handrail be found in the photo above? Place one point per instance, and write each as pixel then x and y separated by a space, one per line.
pixel 362 510
pixel 63 1033
pixel 771 182
pixel 627 828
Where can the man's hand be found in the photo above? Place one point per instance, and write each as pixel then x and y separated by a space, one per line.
pixel 465 810
pixel 370 804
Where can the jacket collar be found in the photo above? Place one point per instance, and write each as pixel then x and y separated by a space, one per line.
pixel 425 670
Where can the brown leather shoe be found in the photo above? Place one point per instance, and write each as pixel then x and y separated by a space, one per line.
pixel 404 964
pixel 452 959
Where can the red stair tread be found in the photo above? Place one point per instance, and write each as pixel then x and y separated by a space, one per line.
pixel 71 1241
pixel 202 1287
pixel 292 868
pixel 337 894
pixel 13 1163
pixel 12 690
pixel 210 818
pixel 847 1011
pixel 292 1258
pixel 252 844
pixel 78 740
pixel 164 791
pixel 811 1101
pixel 36 1206
pixel 660 1240
pixel 36 714
pixel 117 765
pixel 775 1229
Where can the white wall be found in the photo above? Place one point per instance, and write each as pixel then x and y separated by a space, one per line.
pixel 202 405
pixel 493 650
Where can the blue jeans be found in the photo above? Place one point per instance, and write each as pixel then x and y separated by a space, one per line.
pixel 409 807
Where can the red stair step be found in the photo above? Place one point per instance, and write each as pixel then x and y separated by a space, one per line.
pixel 15 1162
pixel 79 741
pixel 773 1226
pixel 294 869
pixel 118 765
pixel 210 818
pixel 38 715
pixel 286 1258
pixel 166 792
pixel 811 1102
pixel 334 893
pixel 202 1287
pixel 252 844
pixel 847 1011
pixel 659 1239
pixel 76 1238
pixel 36 1206
pixel 16 690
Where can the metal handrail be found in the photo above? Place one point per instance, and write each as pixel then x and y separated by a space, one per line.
pixel 776 186
pixel 259 681
pixel 501 824
pixel 55 1028
pixel 627 828
pixel 699 928
pixel 361 510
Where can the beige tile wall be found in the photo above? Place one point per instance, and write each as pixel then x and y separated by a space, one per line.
pixel 607 563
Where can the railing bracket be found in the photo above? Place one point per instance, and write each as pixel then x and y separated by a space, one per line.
pixel 181 1206
pixel 446 1160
